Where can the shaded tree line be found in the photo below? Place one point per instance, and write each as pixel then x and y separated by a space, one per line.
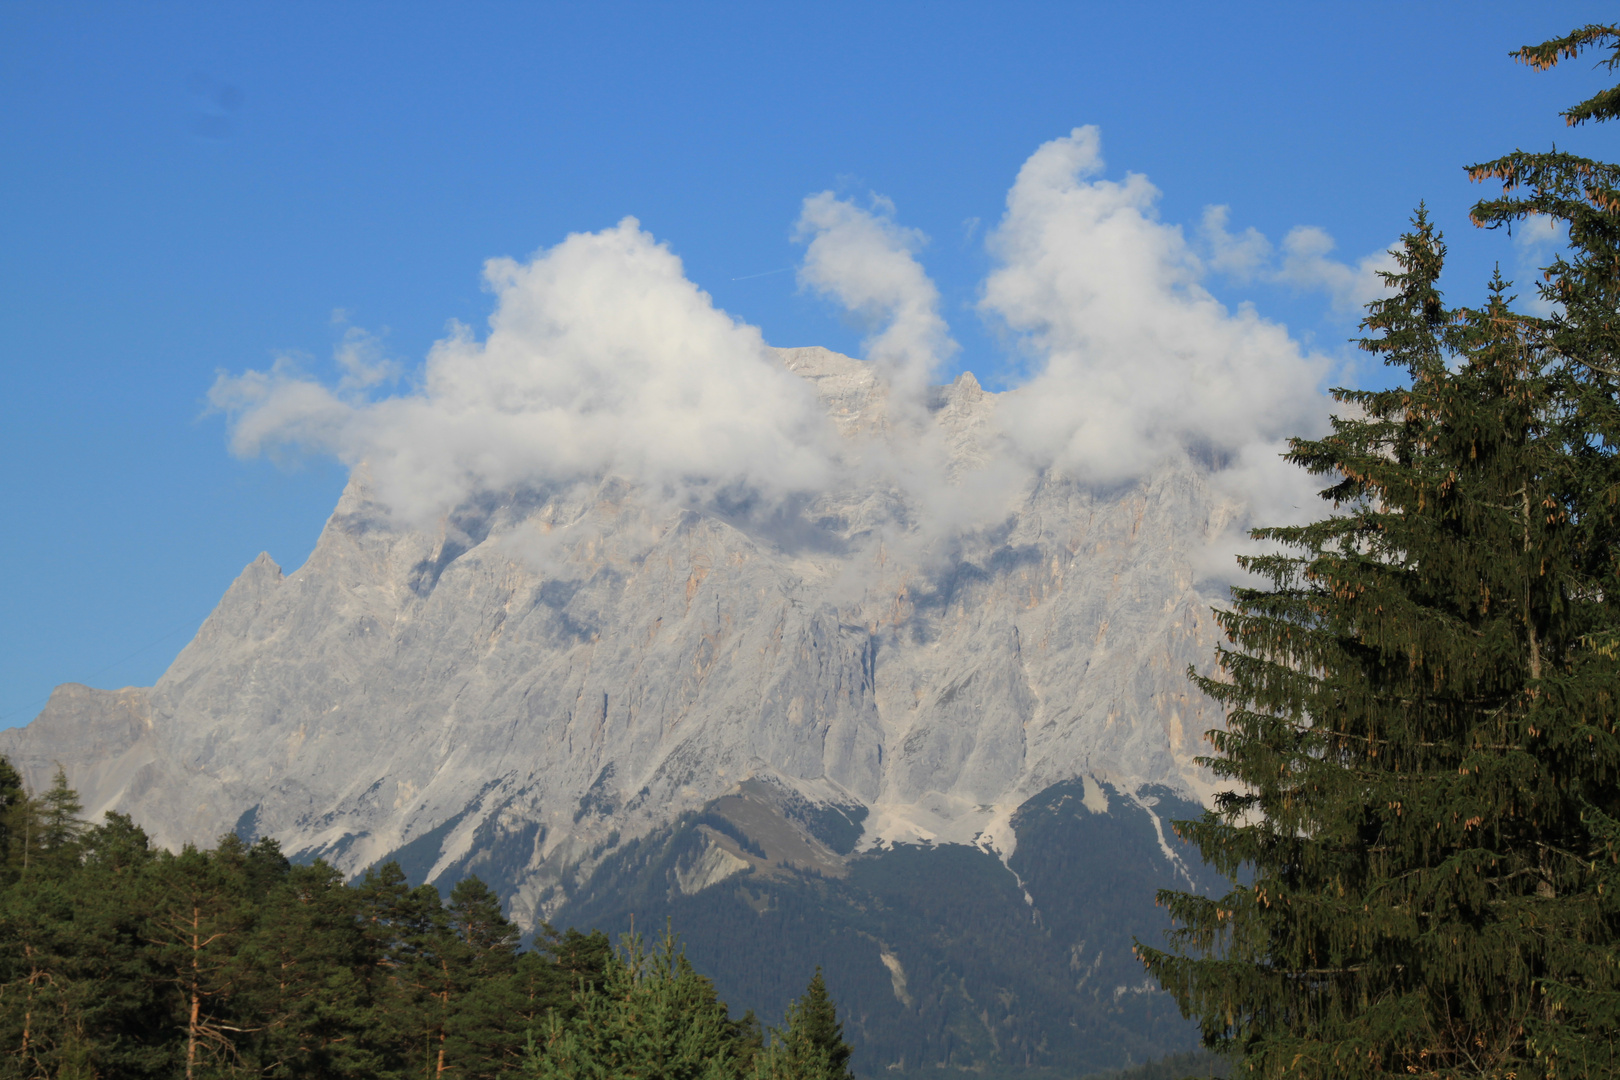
pixel 121 959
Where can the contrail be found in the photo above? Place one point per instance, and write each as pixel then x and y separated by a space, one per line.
pixel 768 273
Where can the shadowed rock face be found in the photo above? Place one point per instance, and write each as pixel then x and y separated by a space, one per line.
pixel 556 672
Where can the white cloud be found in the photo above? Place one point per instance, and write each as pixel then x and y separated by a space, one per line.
pixel 1131 359
pixel 360 356
pixel 1540 236
pixel 601 357
pixel 1241 257
pixel 866 262
pixel 1306 267
pixel 1305 264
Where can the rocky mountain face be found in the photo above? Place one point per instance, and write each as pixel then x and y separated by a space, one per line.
pixel 821 725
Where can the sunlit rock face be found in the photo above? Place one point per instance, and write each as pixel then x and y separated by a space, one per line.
pixel 554 673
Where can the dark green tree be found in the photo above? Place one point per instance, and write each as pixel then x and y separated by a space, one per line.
pixel 12 795
pixel 653 1018
pixel 41 977
pixel 41 1025
pixel 415 981
pixel 811 1045
pixel 1421 715
pixel 553 975
pixel 127 1018
pixel 581 958
pixel 76 998
pixel 202 907
pixel 487 1030
pixel 1578 1033
pixel 310 982
pixel 41 832
pixel 59 824
pixel 119 960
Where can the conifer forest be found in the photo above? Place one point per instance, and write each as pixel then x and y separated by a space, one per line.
pixel 122 960
pixel 1421 827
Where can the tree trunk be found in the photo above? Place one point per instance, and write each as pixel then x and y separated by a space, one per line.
pixel 28 1013
pixel 196 998
pixel 191 1034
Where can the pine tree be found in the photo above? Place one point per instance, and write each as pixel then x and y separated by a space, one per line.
pixel 12 793
pixel 309 988
pixel 42 832
pixel 75 994
pixel 1421 711
pixel 406 930
pixel 1578 1033
pixel 653 1018
pixel 127 1015
pixel 202 913
pixel 487 1030
pixel 812 1046
pixel 581 958
pixel 40 1000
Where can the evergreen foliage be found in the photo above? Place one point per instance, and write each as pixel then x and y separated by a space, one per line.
pixel 1421 705
pixel 12 795
pixel 652 1017
pixel 812 1046
pixel 59 824
pixel 121 960
pixel 1191 1065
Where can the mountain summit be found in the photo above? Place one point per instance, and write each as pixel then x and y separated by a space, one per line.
pixel 589 694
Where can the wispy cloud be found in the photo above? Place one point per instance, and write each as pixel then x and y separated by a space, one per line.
pixel 1304 264
pixel 1242 257
pixel 866 262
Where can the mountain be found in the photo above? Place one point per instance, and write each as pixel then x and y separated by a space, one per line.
pixel 938 759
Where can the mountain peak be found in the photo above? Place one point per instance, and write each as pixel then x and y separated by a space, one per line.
pixel 579 667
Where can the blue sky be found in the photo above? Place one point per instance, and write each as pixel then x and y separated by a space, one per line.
pixel 194 189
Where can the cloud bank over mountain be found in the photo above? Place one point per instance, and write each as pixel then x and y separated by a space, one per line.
pixel 602 357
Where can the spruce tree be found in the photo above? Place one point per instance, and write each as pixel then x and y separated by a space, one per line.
pixel 653 1017
pixel 59 808
pixel 811 1046
pixel 1421 716
pixel 1578 1033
